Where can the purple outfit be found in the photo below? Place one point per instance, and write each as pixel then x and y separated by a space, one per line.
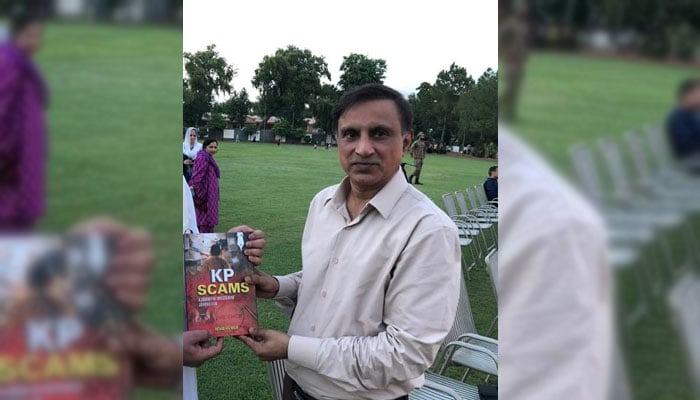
pixel 23 99
pixel 205 182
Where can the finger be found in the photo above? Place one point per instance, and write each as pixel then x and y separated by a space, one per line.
pixel 250 342
pixel 192 337
pixel 256 234
pixel 214 350
pixel 101 224
pixel 241 228
pixel 132 301
pixel 139 261
pixel 253 252
pixel 255 260
pixel 256 244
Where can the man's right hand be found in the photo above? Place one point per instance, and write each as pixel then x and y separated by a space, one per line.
pixel 266 285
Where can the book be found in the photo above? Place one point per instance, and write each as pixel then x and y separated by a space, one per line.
pixel 217 298
pixel 56 315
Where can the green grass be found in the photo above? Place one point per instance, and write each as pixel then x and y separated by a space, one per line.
pixel 569 99
pixel 270 188
pixel 116 107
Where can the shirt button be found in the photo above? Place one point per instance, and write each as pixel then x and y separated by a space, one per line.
pixel 323 294
pixel 335 260
pixel 313 328
pixel 347 228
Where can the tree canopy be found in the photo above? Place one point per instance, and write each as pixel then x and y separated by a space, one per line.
pixel 208 73
pixel 288 80
pixel 358 69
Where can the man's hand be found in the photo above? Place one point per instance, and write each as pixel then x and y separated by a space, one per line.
pixel 196 347
pixel 266 285
pixel 268 345
pixel 255 244
pixel 129 273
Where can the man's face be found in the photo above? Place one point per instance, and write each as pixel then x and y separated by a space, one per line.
pixel 494 174
pixel 30 38
pixel 370 144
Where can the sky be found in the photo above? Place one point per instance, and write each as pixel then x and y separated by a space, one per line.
pixel 417 39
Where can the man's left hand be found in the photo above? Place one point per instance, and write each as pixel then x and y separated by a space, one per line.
pixel 255 245
pixel 267 344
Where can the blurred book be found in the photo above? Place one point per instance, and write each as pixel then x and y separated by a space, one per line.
pixel 56 316
pixel 216 296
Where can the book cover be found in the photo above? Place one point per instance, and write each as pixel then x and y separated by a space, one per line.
pixel 55 317
pixel 217 298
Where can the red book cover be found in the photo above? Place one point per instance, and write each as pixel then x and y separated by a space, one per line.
pixel 217 298
pixel 55 315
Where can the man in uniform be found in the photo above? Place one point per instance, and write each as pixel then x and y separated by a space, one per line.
pixel 418 154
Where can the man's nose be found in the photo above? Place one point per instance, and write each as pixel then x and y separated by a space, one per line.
pixel 364 146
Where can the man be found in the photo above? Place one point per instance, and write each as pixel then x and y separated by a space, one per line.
pixel 23 99
pixel 491 184
pixel 683 124
pixel 379 284
pixel 418 154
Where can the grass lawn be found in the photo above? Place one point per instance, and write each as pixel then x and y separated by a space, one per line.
pixel 269 188
pixel 116 107
pixel 569 99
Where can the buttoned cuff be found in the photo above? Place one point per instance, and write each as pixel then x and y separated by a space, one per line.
pixel 288 287
pixel 303 351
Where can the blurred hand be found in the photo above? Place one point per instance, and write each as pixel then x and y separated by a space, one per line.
pixel 129 273
pixel 154 359
pixel 266 285
pixel 268 345
pixel 255 245
pixel 196 347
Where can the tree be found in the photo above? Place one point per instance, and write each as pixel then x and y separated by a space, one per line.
pixel 216 122
pixel 358 69
pixel 288 80
pixel 322 105
pixel 237 107
pixel 282 128
pixel 207 74
pixel 478 113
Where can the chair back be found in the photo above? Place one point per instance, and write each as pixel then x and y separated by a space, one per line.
pixel 616 168
pixel 462 202
pixel 492 264
pixel 472 198
pixel 639 157
pixel 450 207
pixel 584 165
pixel 481 194
pixel 276 370
pixel 464 320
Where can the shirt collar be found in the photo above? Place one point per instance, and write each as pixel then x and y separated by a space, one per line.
pixel 384 201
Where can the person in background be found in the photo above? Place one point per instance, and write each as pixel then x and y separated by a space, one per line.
pixel 491 184
pixel 418 154
pixel 205 185
pixel 23 101
pixel 683 124
pixel 190 148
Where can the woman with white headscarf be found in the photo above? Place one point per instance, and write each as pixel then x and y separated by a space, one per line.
pixel 190 148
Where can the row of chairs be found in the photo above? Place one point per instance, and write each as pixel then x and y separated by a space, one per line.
pixel 648 209
pixel 651 206
pixel 477 224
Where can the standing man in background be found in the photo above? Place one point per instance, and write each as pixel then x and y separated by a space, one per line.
pixel 418 154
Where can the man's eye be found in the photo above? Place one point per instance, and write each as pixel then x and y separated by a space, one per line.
pixel 349 134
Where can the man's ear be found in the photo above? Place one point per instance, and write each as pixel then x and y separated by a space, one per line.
pixel 407 140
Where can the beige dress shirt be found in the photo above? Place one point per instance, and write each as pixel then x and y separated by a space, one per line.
pixel 376 295
pixel 555 309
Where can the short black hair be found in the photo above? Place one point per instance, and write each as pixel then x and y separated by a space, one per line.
pixel 687 86
pixel 208 142
pixel 493 169
pixel 371 92
pixel 215 250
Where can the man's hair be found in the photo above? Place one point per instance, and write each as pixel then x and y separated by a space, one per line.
pixel 208 142
pixel 687 86
pixel 371 92
pixel 493 169
pixel 215 250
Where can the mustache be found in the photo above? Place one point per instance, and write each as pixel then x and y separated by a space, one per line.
pixel 358 160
